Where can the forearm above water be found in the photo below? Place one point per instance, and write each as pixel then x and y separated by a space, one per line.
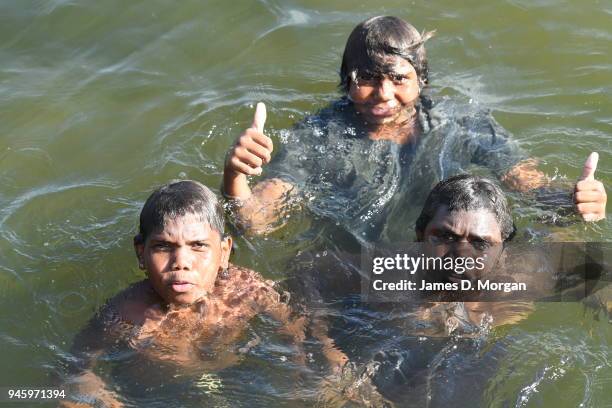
pixel 261 211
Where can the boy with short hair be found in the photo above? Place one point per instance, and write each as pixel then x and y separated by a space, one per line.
pixel 191 294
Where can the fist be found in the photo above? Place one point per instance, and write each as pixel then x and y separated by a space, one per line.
pixel 589 194
pixel 252 149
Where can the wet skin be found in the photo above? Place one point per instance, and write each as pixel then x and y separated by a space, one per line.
pixel 192 286
pixel 464 234
pixel 192 300
pixel 389 98
pixel 386 105
pixel 472 234
pixel 182 261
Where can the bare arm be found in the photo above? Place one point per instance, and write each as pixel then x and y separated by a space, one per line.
pixel 525 176
pixel 86 387
pixel 262 211
pixel 113 323
pixel 292 325
pixel 589 194
pixel 336 359
pixel 258 209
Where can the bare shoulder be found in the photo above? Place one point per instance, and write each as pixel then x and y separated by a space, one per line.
pixel 115 320
pixel 239 284
pixel 133 304
pixel 241 276
pixel 264 211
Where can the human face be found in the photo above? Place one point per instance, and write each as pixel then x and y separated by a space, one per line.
pixel 182 261
pixel 472 234
pixel 387 99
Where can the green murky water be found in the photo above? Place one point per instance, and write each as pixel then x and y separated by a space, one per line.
pixel 100 102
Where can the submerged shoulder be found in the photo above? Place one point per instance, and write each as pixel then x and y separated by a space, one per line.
pixel 465 113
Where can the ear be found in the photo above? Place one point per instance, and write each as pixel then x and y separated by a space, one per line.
pixel 139 249
pixel 226 250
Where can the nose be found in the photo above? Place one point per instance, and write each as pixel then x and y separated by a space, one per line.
pixel 385 90
pixel 182 259
pixel 461 248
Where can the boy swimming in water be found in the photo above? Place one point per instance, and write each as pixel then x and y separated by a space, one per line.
pixel 192 296
pixel 471 214
pixel 382 77
pixel 464 211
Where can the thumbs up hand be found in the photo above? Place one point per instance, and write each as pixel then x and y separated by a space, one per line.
pixel 590 194
pixel 250 152
pixel 252 149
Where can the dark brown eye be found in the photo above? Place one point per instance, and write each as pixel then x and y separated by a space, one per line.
pixel 442 238
pixel 199 245
pixel 398 79
pixel 480 244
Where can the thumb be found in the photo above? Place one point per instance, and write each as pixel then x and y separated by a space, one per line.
pixel 259 119
pixel 588 173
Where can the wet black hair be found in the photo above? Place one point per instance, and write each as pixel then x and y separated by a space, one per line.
pixel 466 192
pixel 175 200
pixel 375 39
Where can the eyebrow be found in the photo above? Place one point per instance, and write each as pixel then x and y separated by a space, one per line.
pixel 399 70
pixel 488 238
pixel 162 240
pixel 448 228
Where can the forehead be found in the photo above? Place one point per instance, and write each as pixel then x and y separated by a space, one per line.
pixel 188 226
pixel 478 223
pixel 393 64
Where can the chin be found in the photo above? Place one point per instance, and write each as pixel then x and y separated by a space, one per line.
pixel 183 299
pixel 382 120
pixel 386 122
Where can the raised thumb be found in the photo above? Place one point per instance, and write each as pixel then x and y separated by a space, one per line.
pixel 588 173
pixel 259 120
